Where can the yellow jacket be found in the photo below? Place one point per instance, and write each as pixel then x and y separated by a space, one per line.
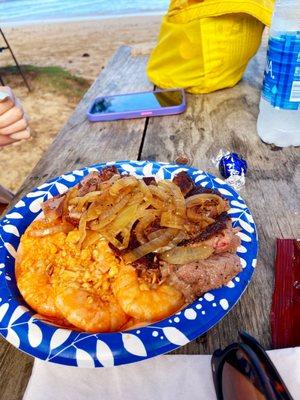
pixel 205 45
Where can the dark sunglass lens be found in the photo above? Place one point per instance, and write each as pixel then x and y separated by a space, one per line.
pixel 239 380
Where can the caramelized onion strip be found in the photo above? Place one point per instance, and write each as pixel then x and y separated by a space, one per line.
pixel 201 199
pixel 195 216
pixel 107 216
pixel 124 183
pixel 177 198
pixel 185 255
pixel 91 238
pixel 145 190
pixel 62 227
pixel 151 246
pixel 169 220
pixel 82 228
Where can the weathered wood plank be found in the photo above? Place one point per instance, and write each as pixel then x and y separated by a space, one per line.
pixel 15 371
pixel 227 119
pixel 81 143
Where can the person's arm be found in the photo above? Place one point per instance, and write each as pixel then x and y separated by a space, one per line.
pixel 13 122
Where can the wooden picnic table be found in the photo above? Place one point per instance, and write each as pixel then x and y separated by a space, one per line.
pixel 224 119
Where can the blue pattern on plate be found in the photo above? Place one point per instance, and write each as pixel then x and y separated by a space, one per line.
pixel 26 331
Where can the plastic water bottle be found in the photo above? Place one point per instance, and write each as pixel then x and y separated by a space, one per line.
pixel 279 118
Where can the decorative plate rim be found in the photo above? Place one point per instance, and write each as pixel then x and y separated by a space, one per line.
pixel 21 327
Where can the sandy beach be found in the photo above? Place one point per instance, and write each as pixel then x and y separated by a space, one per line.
pixel 64 43
pixel 82 48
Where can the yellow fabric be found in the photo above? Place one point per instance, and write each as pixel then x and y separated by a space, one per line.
pixel 206 45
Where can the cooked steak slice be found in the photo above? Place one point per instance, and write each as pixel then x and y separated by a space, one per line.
pixel 93 180
pixel 185 183
pixel 53 208
pixel 201 189
pixel 216 227
pixel 198 277
pixel 108 172
pixel 73 216
pixel 149 180
pixel 89 184
pixel 152 227
pixel 226 240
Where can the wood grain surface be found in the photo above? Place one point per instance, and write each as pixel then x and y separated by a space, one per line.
pixel 225 119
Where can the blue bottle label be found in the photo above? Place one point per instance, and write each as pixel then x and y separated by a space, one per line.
pixel 281 87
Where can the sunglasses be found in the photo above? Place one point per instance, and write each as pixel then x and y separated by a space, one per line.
pixel 243 371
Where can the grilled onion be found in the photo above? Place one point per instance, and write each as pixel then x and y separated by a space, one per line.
pixel 109 215
pixel 120 184
pixel 156 234
pixel 177 197
pixel 151 246
pixel 91 238
pixel 125 203
pixel 174 242
pixel 125 217
pixel 184 255
pixel 63 227
pixel 70 194
pixel 159 192
pixel 80 202
pixel 195 216
pixel 171 220
pixel 145 190
pixel 200 200
pixel 82 228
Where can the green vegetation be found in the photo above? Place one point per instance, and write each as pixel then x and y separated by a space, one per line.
pixel 56 78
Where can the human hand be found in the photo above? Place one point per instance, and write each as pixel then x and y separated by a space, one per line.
pixel 13 122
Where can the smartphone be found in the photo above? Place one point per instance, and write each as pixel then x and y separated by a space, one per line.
pixel 137 105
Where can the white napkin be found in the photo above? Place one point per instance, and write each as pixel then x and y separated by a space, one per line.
pixel 171 377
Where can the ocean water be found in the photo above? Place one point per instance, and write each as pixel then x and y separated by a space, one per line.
pixel 25 11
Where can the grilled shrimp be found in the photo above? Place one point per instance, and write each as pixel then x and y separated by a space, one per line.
pixel 36 288
pixel 143 302
pixel 88 312
pixel 82 284
pixel 34 268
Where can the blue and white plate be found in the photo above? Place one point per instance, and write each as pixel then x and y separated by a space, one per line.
pixel 26 331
